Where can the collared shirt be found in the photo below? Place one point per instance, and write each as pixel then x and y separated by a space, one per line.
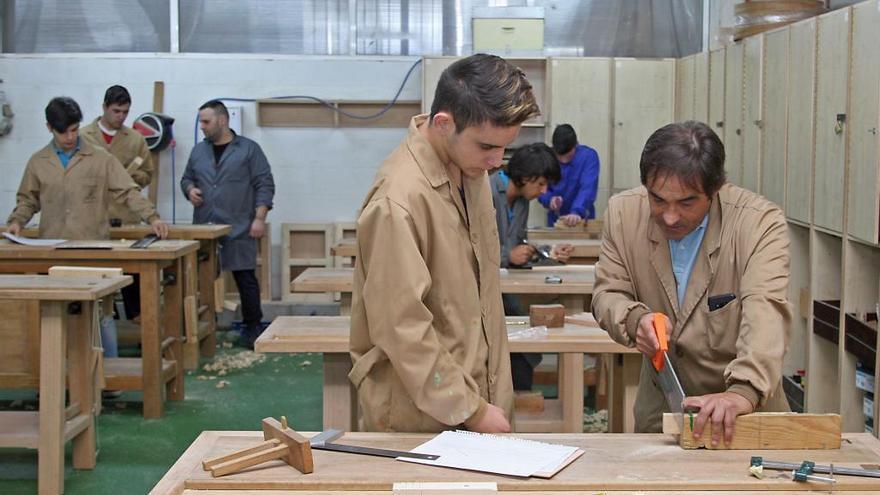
pixel 684 253
pixel 64 156
pixel 511 220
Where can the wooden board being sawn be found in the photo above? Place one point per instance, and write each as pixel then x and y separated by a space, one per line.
pixel 767 430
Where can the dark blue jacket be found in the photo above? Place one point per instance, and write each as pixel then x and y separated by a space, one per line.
pixel 578 185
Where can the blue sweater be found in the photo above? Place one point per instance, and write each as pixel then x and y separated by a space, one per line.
pixel 580 179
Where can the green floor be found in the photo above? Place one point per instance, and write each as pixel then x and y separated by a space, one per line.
pixel 135 453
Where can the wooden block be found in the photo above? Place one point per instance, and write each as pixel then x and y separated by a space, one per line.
pixel 299 449
pixel 444 488
pixel 528 402
pixel 84 271
pixel 549 315
pixel 219 293
pixel 229 305
pixel 773 431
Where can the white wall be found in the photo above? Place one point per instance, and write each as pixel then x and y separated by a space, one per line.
pixel 321 175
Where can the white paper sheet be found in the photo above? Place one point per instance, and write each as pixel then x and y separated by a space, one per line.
pixel 26 241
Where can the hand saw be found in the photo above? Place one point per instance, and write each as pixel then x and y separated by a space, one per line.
pixel 666 376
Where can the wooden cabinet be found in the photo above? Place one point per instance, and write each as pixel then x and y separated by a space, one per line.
pixel 684 88
pixel 580 95
pixel 701 87
pixel 644 92
pixel 733 112
pixel 800 141
pixel 753 58
pixel 774 103
pixel 864 124
pixel 716 92
pixel 832 68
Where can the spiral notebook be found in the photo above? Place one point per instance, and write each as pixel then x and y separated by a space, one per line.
pixel 496 454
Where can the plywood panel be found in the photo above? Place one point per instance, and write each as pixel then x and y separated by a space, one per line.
pixel 774 103
pixel 831 95
pixel 800 143
pixel 684 88
pixel 733 111
pixel 580 95
pixel 864 169
pixel 643 96
pixel 753 58
pixel 701 87
pixel 716 91
pixel 20 352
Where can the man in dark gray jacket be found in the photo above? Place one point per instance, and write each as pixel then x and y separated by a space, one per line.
pixel 228 181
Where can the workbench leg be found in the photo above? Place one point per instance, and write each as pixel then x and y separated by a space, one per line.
pixel 151 354
pixel 190 312
pixel 623 386
pixel 173 317
pixel 340 396
pixel 81 378
pixel 574 303
pixel 50 451
pixel 571 391
pixel 208 272
pixel 345 304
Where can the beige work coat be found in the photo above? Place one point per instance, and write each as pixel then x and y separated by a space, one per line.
pixel 127 145
pixel 428 339
pixel 74 201
pixel 737 348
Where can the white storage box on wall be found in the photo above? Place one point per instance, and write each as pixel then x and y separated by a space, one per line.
pixel 509 31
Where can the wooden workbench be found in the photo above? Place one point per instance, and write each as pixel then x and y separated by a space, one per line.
pixel 66 336
pixel 151 371
pixel 576 284
pixel 586 251
pixel 329 335
pixel 614 464
pixel 201 340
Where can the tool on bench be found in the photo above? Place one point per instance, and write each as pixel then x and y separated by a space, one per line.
pixel 283 443
pixel 666 376
pixel 804 471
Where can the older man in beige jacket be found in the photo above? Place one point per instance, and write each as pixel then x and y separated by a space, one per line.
pixel 713 258
pixel 428 338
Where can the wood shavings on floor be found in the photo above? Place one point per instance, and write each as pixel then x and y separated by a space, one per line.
pixel 224 363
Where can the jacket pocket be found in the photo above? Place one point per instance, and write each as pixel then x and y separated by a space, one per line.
pixel 89 191
pixel 724 328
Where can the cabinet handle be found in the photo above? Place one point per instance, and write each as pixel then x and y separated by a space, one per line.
pixel 873 131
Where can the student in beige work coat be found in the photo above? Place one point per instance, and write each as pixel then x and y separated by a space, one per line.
pixel 72 183
pixel 128 146
pixel 711 256
pixel 428 338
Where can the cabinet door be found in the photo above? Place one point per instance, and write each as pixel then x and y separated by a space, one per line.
pixel 701 87
pixel 733 111
pixel 643 94
pixel 684 88
pixel 774 104
pixel 832 68
pixel 753 61
pixel 580 95
pixel 864 179
pixel 800 142
pixel 716 92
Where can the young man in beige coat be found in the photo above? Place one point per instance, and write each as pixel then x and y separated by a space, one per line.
pixel 713 258
pixel 428 339
pixel 127 145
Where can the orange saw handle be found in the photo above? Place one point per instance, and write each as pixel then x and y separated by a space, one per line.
pixel 660 330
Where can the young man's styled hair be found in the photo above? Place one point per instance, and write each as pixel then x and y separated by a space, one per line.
pixel 690 151
pixel 484 88
pixel 532 161
pixel 217 106
pixel 62 112
pixel 564 139
pixel 116 95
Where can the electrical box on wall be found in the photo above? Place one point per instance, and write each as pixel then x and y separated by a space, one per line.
pixel 235 119
pixel 509 31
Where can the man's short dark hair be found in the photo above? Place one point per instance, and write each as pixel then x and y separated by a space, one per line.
pixel 532 161
pixel 217 106
pixel 116 95
pixel 564 139
pixel 62 112
pixel 690 151
pixel 484 88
